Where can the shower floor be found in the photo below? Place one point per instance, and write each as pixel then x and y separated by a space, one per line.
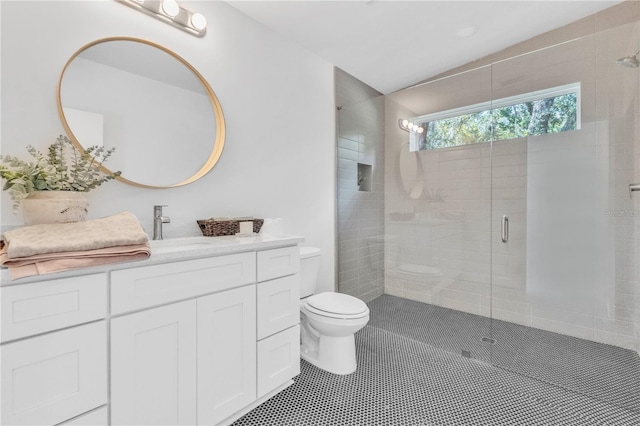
pixel 410 372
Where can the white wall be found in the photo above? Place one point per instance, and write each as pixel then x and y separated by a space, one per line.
pixel 279 156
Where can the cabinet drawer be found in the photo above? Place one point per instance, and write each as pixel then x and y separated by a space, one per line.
pixel 146 286
pixel 50 305
pixel 51 378
pixel 278 262
pixel 278 359
pixel 278 305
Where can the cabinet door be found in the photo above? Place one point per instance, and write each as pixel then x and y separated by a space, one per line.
pixel 226 353
pixel 51 378
pixel 153 366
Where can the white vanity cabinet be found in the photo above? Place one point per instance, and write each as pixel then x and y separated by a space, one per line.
pixel 186 339
pixel 225 337
pixel 54 350
pixel 187 362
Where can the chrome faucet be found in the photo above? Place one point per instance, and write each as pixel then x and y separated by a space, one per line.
pixel 158 220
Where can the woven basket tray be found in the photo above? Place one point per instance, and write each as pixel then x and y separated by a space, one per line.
pixel 219 227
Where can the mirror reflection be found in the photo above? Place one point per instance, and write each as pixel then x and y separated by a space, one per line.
pixel 151 105
pixel 411 174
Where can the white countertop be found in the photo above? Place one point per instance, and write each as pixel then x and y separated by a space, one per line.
pixel 172 250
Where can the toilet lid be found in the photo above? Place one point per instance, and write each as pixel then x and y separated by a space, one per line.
pixel 337 303
pixel 420 270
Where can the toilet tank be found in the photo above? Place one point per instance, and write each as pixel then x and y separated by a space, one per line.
pixel 309 269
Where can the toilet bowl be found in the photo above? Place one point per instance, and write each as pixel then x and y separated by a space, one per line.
pixel 328 321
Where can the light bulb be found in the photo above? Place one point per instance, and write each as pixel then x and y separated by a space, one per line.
pixel 405 123
pixel 420 129
pixel 171 8
pixel 198 21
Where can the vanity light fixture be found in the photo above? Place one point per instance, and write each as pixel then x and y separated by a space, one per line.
pixel 408 126
pixel 172 13
pixel 171 8
pixel 198 21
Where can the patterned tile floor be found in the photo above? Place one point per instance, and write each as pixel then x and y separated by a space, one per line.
pixel 601 371
pixel 403 380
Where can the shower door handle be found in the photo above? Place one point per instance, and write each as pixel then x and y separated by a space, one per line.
pixel 505 228
pixel 633 187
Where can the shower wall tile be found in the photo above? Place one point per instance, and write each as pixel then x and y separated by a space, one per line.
pixel 471 308
pixel 618 88
pixel 620 340
pixel 631 288
pixel 563 328
pixel 345 163
pixel 466 297
pixel 613 313
pixel 360 214
pixel 371 294
pixel 510 305
pixel 562 314
pixel 615 326
pixel 349 286
pixel 522 318
pixel 348 275
pixel 419 296
pixel 346 154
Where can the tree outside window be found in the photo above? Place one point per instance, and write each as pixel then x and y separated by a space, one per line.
pixel 503 119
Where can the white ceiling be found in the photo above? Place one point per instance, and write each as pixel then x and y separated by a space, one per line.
pixel 391 44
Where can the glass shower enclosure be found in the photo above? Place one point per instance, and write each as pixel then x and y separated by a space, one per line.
pixel 509 210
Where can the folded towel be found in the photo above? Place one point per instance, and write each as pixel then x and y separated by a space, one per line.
pixel 57 262
pixel 122 229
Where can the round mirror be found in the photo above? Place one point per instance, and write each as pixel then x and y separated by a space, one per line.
pixel 150 104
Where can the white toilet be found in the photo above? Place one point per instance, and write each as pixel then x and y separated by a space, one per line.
pixel 328 320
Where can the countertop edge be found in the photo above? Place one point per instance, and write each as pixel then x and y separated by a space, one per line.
pixel 229 245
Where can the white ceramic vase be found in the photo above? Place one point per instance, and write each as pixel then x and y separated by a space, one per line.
pixel 54 207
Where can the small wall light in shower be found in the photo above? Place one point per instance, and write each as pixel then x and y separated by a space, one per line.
pixel 629 61
pixel 172 13
pixel 408 126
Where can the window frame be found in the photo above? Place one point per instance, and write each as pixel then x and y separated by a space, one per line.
pixel 566 89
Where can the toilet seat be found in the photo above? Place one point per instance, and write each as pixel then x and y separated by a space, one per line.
pixel 336 305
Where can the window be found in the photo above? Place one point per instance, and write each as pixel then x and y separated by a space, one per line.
pixel 536 113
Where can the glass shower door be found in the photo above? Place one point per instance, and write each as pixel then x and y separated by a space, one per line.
pixel 437 213
pixel 564 269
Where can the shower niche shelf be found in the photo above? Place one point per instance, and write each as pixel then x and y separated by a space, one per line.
pixel 364 177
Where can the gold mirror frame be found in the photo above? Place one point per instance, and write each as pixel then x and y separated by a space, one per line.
pixel 217 109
